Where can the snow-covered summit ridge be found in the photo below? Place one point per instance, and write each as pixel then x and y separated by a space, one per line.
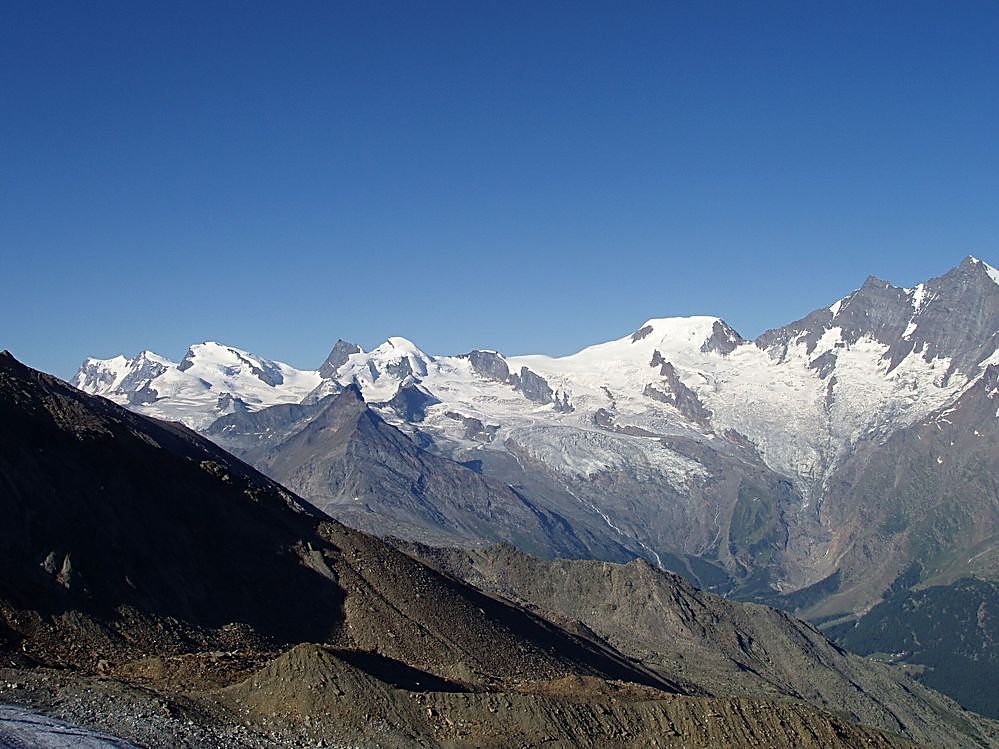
pixel 992 272
pixel 875 361
pixel 212 379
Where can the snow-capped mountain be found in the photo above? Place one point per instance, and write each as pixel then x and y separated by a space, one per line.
pixel 210 381
pixel 680 441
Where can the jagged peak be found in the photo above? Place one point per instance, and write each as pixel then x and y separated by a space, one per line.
pixel 972 262
pixel 342 350
pixel 876 283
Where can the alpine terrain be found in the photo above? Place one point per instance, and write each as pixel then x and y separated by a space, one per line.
pixel 825 467
pixel 158 590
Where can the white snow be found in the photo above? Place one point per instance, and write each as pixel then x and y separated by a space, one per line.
pixel 801 423
pixel 212 370
pixel 993 273
pixel 919 297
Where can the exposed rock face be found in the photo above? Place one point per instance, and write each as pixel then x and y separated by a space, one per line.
pixel 641 334
pixel 929 499
pixel 244 430
pixel 147 368
pixel 96 376
pixel 563 403
pixel 474 428
pixel 677 394
pixel 411 403
pixel 924 320
pixel 338 357
pixel 715 645
pixel 489 364
pixel 534 387
pixel 824 364
pixel 146 395
pixel 724 339
pixel 350 463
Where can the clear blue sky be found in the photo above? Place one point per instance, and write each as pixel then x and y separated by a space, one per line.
pixel 532 177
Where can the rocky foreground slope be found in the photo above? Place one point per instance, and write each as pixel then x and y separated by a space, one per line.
pixel 712 644
pixel 154 587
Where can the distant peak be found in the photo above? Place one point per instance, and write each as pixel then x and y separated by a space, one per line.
pixel 397 345
pixel 875 282
pixel 973 263
pixel 400 342
pixel 338 356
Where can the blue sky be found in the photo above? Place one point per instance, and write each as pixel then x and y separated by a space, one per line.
pixel 532 177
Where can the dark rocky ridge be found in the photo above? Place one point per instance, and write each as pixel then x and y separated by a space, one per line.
pixel 677 394
pixel 715 645
pixel 346 460
pixel 535 388
pixel 121 518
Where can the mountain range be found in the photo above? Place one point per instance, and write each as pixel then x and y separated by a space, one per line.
pixel 820 467
pixel 158 589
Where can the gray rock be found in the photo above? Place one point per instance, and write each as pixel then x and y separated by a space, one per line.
pixel 958 318
pixel 23 729
pixel 475 429
pixel 638 335
pixel 723 340
pixel 679 395
pixel 489 364
pixel 350 463
pixel 247 430
pixel 824 364
pixel 534 387
pixel 146 394
pixel 141 375
pixel 338 357
pixel 563 403
pixel 411 403
pixel 228 400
